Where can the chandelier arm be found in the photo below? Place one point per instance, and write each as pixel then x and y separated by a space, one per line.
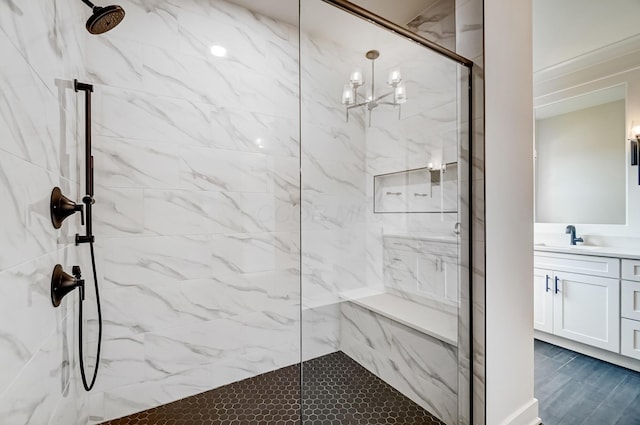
pixel 357 105
pixel 383 96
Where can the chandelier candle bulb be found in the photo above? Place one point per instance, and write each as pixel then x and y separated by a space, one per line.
pixel 395 77
pixel 356 78
pixel 400 94
pixel 347 95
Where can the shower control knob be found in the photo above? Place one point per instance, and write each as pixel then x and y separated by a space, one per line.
pixel 61 207
pixel 62 283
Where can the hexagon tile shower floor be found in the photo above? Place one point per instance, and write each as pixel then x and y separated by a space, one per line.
pixel 336 391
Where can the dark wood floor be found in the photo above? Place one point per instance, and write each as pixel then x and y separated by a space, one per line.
pixel 574 389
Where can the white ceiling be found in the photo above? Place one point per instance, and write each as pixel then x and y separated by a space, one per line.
pixel 399 11
pixel 566 29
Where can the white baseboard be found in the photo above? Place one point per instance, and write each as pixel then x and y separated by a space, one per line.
pixel 526 415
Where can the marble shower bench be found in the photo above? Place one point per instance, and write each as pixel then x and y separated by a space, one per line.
pixel 411 346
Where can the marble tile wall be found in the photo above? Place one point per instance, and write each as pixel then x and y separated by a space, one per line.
pixel 197 203
pixel 468 42
pixel 41 51
pixel 342 243
pixel 197 211
pixel 423 368
pixel 333 191
pixel 437 23
pixel 425 133
pixel 342 240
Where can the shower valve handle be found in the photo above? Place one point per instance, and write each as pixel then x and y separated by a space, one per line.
pixel 63 283
pixel 80 208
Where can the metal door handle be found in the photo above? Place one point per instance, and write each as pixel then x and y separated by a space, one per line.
pixel 547 284
pixel 557 290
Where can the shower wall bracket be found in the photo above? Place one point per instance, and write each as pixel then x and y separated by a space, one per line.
pixel 88 199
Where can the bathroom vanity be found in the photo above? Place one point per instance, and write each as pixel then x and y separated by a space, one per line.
pixel 587 299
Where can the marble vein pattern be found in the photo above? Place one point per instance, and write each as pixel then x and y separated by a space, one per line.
pixel 197 159
pixel 422 368
pixel 42 52
pixel 199 203
pixel 469 42
pixel 197 200
pixel 338 215
pixel 437 23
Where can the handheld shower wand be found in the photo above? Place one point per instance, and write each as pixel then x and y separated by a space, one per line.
pixel 61 208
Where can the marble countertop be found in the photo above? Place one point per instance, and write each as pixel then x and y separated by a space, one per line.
pixel 597 251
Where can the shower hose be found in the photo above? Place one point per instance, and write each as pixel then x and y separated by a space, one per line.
pixel 88 387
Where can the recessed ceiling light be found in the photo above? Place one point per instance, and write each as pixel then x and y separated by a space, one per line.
pixel 218 51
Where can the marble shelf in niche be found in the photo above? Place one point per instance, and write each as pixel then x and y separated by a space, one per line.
pixel 418 190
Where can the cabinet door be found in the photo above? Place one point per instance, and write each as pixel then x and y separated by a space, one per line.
pixel 587 309
pixel 450 272
pixel 543 300
pixel 400 270
pixel 431 278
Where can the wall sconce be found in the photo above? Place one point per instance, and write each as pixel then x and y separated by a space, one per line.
pixel 351 98
pixel 634 141
pixel 635 138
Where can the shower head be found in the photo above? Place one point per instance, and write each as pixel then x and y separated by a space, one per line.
pixel 103 18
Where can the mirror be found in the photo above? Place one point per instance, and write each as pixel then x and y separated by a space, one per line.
pixel 580 160
pixel 578 56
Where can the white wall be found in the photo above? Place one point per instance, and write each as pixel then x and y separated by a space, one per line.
pixel 509 213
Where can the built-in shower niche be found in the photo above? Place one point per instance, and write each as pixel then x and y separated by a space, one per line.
pixel 419 190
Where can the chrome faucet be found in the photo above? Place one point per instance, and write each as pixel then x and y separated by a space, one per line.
pixel 572 231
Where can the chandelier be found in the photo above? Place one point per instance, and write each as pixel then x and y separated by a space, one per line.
pixel 352 99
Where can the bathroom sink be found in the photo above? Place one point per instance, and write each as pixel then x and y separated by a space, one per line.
pixel 570 247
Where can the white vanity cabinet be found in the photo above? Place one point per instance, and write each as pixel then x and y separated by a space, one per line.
pixel 630 309
pixel 426 268
pixel 542 300
pixel 578 297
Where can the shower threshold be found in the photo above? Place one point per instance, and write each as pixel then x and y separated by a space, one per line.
pixel 336 390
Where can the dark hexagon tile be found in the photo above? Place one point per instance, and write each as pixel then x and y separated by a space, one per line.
pixel 335 391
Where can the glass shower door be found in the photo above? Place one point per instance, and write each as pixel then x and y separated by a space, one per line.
pixel 385 225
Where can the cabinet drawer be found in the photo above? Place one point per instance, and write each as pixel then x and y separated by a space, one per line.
pixel 582 264
pixel 631 270
pixel 630 300
pixel 630 338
